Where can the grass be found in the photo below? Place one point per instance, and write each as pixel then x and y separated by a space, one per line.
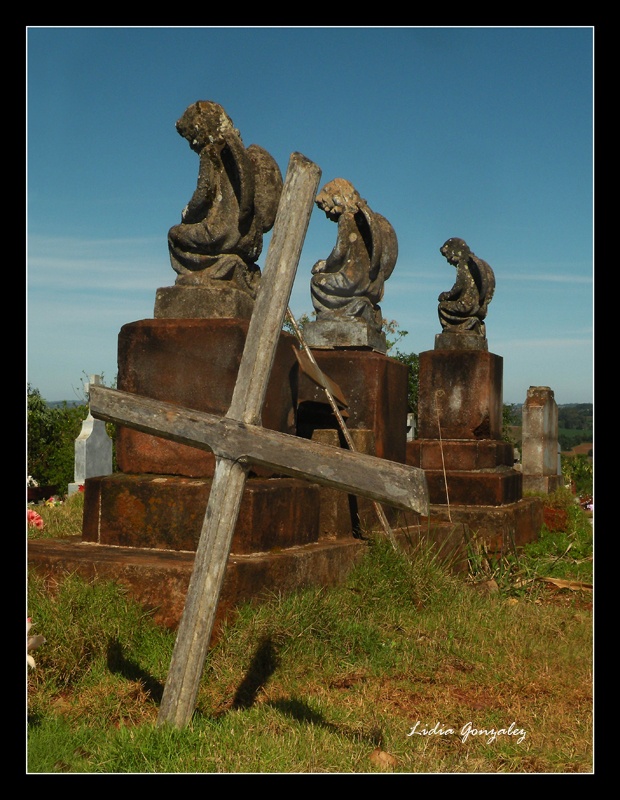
pixel 343 680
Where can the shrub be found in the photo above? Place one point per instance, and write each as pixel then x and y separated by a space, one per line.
pixel 51 440
pixel 578 470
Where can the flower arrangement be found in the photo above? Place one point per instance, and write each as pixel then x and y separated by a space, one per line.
pixel 34 519
pixel 52 501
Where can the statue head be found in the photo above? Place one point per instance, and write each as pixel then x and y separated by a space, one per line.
pixel 206 123
pixel 338 197
pixel 455 250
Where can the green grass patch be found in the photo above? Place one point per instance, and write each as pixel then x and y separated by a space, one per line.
pixel 330 680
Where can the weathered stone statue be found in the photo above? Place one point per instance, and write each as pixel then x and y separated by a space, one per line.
pixel 464 308
pixel 349 283
pixel 235 202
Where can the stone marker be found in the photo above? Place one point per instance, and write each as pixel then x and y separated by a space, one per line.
pixel 469 468
pixel 93 448
pixel 539 450
pixel 238 440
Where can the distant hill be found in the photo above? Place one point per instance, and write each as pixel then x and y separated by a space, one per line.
pixel 67 403
pixel 570 415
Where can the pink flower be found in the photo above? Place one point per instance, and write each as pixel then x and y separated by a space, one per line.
pixel 35 520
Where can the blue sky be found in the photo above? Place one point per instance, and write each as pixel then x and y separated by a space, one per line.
pixel 482 133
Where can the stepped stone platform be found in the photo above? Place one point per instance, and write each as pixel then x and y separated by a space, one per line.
pixel 158 579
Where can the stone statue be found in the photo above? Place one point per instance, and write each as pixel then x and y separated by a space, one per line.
pixel 235 202
pixel 464 307
pixel 348 284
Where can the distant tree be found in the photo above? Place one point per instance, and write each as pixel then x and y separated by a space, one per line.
pixel 51 435
pixel 393 335
pixel 510 418
pixel 303 320
pixel 391 328
pixel 412 360
pixel 579 470
pixel 578 416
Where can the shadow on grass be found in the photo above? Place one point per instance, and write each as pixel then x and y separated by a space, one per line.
pixel 262 667
pixel 119 665
pixel 301 712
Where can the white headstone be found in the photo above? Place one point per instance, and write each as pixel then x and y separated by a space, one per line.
pixel 93 448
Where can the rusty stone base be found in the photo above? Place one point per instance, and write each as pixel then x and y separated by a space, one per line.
pixel 477 472
pixel 159 579
pixel 500 529
pixel 166 512
pixel 493 488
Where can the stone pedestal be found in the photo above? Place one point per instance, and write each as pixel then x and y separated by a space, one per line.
pixel 469 469
pixel 539 456
pixel 159 497
pixel 375 388
pixel 460 395
pixel 167 513
pixel 192 363
pixel 217 300
pixel 344 333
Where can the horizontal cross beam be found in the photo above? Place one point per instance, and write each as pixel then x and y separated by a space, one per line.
pixel 385 481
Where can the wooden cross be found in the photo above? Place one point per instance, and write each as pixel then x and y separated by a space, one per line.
pixel 238 440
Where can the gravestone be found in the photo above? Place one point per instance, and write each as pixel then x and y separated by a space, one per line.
pixel 540 460
pixel 189 355
pixel 469 468
pixel 349 345
pixel 93 448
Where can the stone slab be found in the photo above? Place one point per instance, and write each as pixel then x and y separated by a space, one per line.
pixel 338 333
pixel 493 488
pixel 167 512
pixel 459 455
pixel 215 301
pixel 192 363
pixel 460 341
pixel 460 395
pixel 159 579
pixel 499 528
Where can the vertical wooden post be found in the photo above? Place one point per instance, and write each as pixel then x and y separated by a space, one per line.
pixel 196 626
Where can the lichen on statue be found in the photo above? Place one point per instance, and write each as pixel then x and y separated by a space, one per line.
pixel 220 236
pixel 349 283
